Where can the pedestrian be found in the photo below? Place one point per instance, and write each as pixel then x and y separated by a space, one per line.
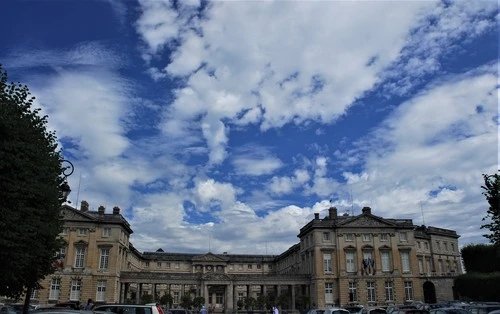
pixel 203 310
pixel 89 305
pixel 275 310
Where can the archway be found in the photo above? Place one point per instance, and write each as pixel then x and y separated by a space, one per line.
pixel 429 292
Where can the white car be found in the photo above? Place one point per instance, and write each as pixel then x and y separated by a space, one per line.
pixel 128 309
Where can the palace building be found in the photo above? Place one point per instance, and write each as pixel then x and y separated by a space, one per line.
pixel 340 260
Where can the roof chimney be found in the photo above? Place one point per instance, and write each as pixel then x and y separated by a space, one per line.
pixel 101 209
pixel 332 212
pixel 366 210
pixel 84 207
pixel 116 210
pixel 316 216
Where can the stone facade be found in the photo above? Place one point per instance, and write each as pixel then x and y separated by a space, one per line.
pixel 340 260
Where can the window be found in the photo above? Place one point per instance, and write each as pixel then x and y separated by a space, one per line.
pixel 452 247
pixel 446 246
pixel 438 245
pixel 349 261
pixel 64 231
pixel 426 245
pixel 55 288
pixel 249 266
pixel 79 256
pixel 82 231
pixel 259 266
pixel 146 264
pixel 420 265
pixel 327 262
pixel 158 264
pixel 353 292
pixel 384 237
pixel 76 286
pixel 368 263
pixel 440 266
pixel 270 266
pixel 326 236
pixel 418 244
pixel 448 267
pixel 403 236
pixel 349 237
pixel 240 267
pixel 329 292
pixel 405 261
pixel 385 256
pixel 106 232
pixel 408 291
pixel 366 237
pixel 176 297
pixel 455 266
pixel 35 294
pixel 167 265
pixel 177 265
pixel 428 265
pixel 389 291
pixel 218 298
pixel 104 260
pixel 101 291
pixel 240 296
pixel 370 291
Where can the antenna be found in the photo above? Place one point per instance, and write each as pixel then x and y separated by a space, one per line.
pixel 209 239
pixel 422 210
pixel 78 193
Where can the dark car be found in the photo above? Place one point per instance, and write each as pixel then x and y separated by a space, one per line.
pixel 410 311
pixel 449 310
pixel 7 309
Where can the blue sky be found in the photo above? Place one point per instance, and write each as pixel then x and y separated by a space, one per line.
pixel 229 124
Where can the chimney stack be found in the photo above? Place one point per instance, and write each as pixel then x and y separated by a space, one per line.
pixel 332 212
pixel 316 216
pixel 366 210
pixel 116 210
pixel 101 209
pixel 84 207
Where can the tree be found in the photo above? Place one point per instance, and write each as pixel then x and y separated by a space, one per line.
pixel 186 301
pixel 167 300
pixel 30 195
pixel 491 191
pixel 198 302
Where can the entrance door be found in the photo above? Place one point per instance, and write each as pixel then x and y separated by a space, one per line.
pixel 219 300
pixel 429 292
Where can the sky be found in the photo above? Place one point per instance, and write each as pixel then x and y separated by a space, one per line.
pixel 224 126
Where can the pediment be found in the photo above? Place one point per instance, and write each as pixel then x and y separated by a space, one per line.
pixel 209 257
pixel 367 220
pixel 69 213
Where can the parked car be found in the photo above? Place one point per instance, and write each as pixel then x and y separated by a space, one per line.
pixel 448 310
pixel 179 311
pixel 18 307
pixel 373 310
pixel 128 309
pixel 7 309
pixel 355 309
pixel 410 311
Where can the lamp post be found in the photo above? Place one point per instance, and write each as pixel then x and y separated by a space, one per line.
pixel 67 171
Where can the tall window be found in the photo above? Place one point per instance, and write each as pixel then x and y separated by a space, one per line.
pixel 452 247
pixel 240 296
pixel 349 261
pixel 370 291
pixel 384 237
pixel 405 261
pixel 326 236
pixel 440 267
pixel 353 292
pixel 366 237
pixel 76 286
pixel 408 291
pixel 329 292
pixel 349 237
pixel 101 291
pixel 106 232
pixel 389 291
pixel 385 256
pixel 79 256
pixel 420 265
pixel 35 294
pixel 218 298
pixel 327 262
pixel 177 265
pixel 104 260
pixel 428 265
pixel 403 236
pixel 176 297
pixel 82 231
pixel 55 288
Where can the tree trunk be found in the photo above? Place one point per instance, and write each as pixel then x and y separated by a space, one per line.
pixel 27 300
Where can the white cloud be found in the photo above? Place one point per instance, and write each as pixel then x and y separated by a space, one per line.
pixel 255 160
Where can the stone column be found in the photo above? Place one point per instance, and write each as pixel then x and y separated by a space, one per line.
pixel 229 296
pixel 121 299
pixel 138 293
pixel 293 297
pixel 205 293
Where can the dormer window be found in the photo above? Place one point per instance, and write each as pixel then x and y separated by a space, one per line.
pixel 82 231
pixel 349 237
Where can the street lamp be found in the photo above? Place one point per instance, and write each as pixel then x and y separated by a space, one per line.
pixel 67 171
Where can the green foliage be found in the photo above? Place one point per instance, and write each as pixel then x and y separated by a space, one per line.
pixel 146 298
pixel 198 302
pixel 262 302
pixel 167 300
pixel 283 300
pixel 491 191
pixel 478 286
pixel 186 301
pixel 249 302
pixel 484 258
pixel 30 195
pixel 303 302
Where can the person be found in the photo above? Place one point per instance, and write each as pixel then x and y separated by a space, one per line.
pixel 203 310
pixel 89 305
pixel 275 310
